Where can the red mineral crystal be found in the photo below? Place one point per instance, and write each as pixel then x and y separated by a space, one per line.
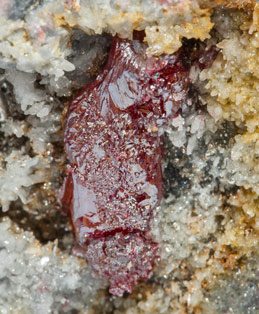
pixel 113 143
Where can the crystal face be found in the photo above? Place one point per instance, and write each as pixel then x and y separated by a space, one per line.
pixel 114 146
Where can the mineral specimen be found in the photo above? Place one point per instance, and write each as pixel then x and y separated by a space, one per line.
pixel 207 224
pixel 113 143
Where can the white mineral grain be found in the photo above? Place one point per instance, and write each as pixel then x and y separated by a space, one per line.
pixel 192 142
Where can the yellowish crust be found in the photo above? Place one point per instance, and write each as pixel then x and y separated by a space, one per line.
pixel 239 4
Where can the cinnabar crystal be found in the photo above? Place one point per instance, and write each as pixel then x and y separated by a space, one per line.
pixel 113 145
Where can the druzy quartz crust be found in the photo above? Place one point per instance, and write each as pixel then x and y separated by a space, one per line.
pixel 113 141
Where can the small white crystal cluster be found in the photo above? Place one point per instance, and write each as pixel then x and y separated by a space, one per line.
pixel 34 43
pixel 40 279
pixel 32 100
pixel 16 176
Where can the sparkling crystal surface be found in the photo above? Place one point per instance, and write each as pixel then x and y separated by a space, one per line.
pixel 114 145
